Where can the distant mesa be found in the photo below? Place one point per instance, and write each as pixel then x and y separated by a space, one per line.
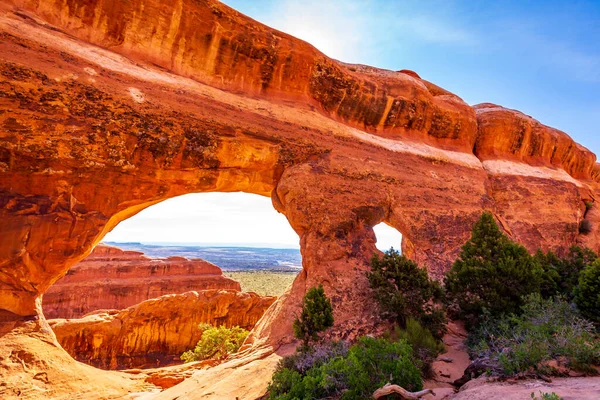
pixel 111 278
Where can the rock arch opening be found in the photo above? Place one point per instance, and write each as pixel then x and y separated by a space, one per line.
pixel 387 237
pixel 136 301
pixel 93 135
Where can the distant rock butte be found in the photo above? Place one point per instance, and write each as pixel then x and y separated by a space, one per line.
pixel 155 332
pixel 109 107
pixel 110 278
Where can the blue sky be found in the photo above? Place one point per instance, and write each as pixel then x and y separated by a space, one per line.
pixel 540 57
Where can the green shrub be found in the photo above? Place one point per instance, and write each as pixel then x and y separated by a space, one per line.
pixel 216 343
pixel 547 329
pixel 589 205
pixel 561 275
pixel 551 264
pixel 404 291
pixel 577 259
pixel 492 273
pixel 313 356
pixel 546 396
pixel 367 366
pixel 425 347
pixel 316 316
pixel 587 293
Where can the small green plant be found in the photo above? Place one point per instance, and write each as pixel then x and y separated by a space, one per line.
pixel 425 347
pixel 587 292
pixel 216 343
pixel 491 274
pixel 351 375
pixel 316 316
pixel 589 205
pixel 405 291
pixel 546 396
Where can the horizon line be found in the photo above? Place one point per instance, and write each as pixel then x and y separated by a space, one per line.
pixel 259 245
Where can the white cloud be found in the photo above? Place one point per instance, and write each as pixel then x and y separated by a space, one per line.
pixel 358 30
pixel 209 218
pixel 337 30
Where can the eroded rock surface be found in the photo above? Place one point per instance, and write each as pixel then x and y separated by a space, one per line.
pixel 566 388
pixel 33 366
pixel 155 332
pixel 110 278
pixel 109 107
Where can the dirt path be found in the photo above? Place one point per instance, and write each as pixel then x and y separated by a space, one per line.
pixel 450 365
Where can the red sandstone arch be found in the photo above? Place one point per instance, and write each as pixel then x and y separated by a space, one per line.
pixel 109 107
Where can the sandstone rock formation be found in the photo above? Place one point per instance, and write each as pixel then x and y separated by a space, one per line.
pixel 109 107
pixel 566 388
pixel 33 366
pixel 110 278
pixel 155 332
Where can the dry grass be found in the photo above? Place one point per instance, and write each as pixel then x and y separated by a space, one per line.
pixel 265 283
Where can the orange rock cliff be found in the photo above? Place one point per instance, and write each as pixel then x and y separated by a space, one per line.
pixel 157 331
pixel 110 278
pixel 109 107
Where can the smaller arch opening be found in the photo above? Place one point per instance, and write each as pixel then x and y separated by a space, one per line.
pixel 387 237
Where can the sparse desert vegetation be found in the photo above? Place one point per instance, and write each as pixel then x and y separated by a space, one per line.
pixel 216 343
pixel 335 369
pixel 526 314
pixel 265 283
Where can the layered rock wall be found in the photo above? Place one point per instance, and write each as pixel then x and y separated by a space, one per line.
pixel 108 107
pixel 212 43
pixel 110 278
pixel 155 332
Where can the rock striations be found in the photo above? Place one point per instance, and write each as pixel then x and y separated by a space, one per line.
pixel 110 278
pixel 155 332
pixel 109 107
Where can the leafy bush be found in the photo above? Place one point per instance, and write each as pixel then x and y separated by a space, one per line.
pixel 547 329
pixel 316 316
pixel 587 293
pixel 405 291
pixel 314 356
pixel 366 366
pixel 561 275
pixel 577 259
pixel 491 273
pixel 425 347
pixel 551 280
pixel 216 343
